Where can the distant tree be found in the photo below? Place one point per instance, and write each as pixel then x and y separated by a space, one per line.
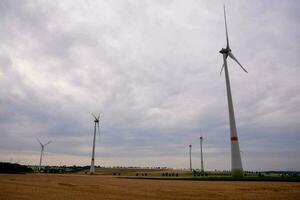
pixel 14 168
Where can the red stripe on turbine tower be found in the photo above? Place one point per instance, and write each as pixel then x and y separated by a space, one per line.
pixel 234 138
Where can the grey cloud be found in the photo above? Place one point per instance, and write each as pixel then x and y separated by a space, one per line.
pixel 152 69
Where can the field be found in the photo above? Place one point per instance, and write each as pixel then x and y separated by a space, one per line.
pixel 72 186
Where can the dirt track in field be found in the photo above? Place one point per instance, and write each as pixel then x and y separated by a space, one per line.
pixel 75 187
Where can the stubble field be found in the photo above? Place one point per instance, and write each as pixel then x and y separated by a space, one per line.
pixel 75 187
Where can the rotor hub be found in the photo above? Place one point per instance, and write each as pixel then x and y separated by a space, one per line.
pixel 225 51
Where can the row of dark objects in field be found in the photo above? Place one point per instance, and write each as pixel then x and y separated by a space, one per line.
pixel 163 174
pixel 146 174
pixel 170 174
pixel 197 173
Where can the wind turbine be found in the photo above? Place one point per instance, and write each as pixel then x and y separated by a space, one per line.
pixel 202 168
pixel 42 151
pixel 190 148
pixel 96 121
pixel 236 162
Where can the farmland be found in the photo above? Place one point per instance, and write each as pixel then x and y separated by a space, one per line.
pixel 79 186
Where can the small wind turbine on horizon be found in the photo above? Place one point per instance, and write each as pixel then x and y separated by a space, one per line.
pixel 190 152
pixel 202 167
pixel 236 162
pixel 96 121
pixel 42 151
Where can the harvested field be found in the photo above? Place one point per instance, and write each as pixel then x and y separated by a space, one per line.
pixel 59 187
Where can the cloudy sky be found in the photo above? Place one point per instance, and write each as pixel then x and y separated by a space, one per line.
pixel 152 69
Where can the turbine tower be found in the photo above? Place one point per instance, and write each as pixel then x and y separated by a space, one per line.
pixel 236 162
pixel 96 121
pixel 190 148
pixel 202 168
pixel 42 152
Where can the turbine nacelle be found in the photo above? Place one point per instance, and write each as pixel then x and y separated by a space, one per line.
pixel 225 51
pixel 43 145
pixel 96 118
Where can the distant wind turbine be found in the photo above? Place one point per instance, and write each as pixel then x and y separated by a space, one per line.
pixel 236 162
pixel 96 121
pixel 42 151
pixel 202 167
pixel 190 151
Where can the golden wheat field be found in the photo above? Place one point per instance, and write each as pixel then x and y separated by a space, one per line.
pixel 75 187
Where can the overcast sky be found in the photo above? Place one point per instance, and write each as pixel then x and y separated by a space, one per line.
pixel 152 69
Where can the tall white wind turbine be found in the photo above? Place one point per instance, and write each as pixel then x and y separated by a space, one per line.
pixel 96 121
pixel 236 162
pixel 42 152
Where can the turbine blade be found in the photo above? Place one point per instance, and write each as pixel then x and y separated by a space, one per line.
pixel 227 40
pixel 222 69
pixel 47 143
pixel 39 142
pixel 99 129
pixel 232 56
pixel 94 116
pixel 98 116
